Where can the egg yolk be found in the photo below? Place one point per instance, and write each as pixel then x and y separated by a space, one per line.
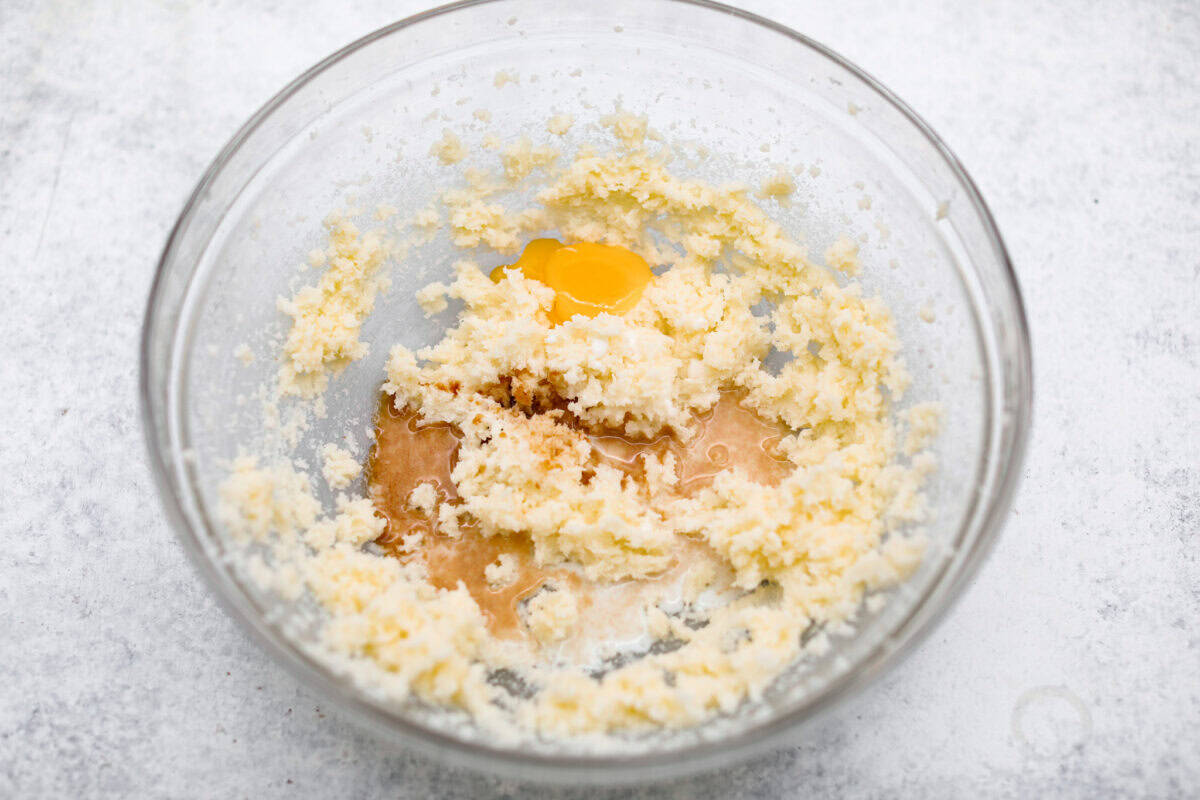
pixel 532 262
pixel 587 278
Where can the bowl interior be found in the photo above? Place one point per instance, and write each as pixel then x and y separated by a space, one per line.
pixel 736 100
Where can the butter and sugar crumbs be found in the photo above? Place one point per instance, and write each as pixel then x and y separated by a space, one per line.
pixel 501 572
pixel 779 186
pixel 424 499
pixel 522 158
pixel 339 466
pixel 630 129
pixel 559 124
pixel 636 541
pixel 328 316
pixel 449 149
pixel 551 614
pixel 924 421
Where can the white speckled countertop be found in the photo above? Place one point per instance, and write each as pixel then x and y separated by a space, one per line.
pixel 1070 668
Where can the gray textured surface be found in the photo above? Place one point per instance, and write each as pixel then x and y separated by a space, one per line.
pixel 1072 665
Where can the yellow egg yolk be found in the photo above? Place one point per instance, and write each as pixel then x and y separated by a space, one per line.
pixel 587 279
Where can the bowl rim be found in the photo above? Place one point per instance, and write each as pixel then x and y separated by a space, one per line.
pixel 759 738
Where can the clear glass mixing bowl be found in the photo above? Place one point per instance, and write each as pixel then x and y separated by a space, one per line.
pixel 356 130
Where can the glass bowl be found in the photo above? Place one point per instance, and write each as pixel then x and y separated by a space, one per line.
pixel 746 95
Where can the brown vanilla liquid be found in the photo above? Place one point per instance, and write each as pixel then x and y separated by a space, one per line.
pixel 408 452
pixel 728 435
